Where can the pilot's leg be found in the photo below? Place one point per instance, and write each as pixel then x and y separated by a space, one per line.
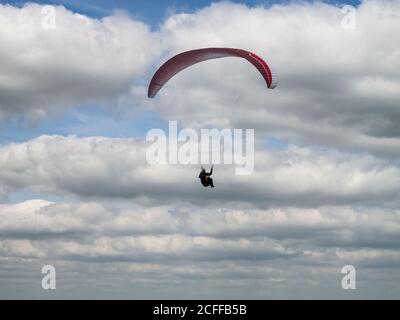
pixel 205 182
pixel 211 182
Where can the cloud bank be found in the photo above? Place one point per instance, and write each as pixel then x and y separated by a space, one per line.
pixel 99 167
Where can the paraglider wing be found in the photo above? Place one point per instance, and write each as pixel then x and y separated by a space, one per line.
pixel 189 58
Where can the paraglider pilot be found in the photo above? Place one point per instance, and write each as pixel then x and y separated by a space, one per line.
pixel 205 178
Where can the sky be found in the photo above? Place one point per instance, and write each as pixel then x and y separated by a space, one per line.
pixel 77 192
pixel 152 12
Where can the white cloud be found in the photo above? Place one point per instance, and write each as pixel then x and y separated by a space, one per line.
pixel 171 229
pixel 117 168
pixel 82 60
pixel 339 88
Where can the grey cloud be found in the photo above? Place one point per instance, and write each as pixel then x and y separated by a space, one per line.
pixel 179 228
pixel 227 253
pixel 117 168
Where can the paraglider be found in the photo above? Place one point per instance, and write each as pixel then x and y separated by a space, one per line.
pixel 189 58
pixel 205 178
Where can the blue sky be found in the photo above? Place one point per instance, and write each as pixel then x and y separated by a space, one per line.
pixel 152 12
pixel 82 121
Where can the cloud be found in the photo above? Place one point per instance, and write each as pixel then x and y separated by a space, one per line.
pixel 99 167
pixel 82 60
pixel 281 249
pixel 340 226
pixel 339 88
